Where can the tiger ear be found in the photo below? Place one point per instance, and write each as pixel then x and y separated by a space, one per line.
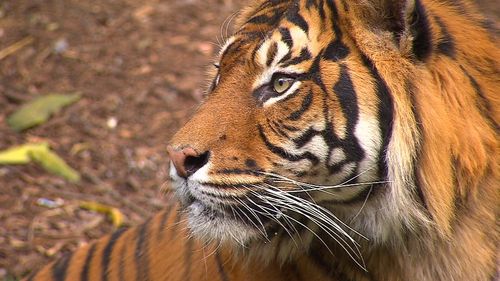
pixel 405 20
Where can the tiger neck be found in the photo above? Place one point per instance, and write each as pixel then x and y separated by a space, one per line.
pixel 469 253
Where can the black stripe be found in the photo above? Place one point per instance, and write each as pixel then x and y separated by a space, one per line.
pixel 108 251
pixel 422 44
pixel 255 50
pixel 446 44
pixel 311 3
pixel 304 55
pixel 336 50
pixel 344 90
pixel 306 137
pixel 385 112
pixel 220 267
pixel 293 15
pixel 265 19
pixel 286 37
pixel 418 122
pixel 121 270
pixel 286 155
pixel 306 104
pixel 236 172
pixel 290 128
pixel 188 254
pixel 163 220
pixel 335 19
pixel 141 252
pixel 84 276
pixel 277 127
pixel 337 167
pixel 345 4
pixel 270 5
pixel 329 264
pixel 274 128
pixel 483 103
pixel 60 267
pixel 271 53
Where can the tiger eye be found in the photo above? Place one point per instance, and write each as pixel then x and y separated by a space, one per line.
pixel 281 84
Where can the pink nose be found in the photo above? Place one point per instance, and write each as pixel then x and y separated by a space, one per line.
pixel 186 160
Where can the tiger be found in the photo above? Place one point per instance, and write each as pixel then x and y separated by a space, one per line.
pixel 339 140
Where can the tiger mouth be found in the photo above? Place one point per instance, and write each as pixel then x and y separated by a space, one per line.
pixel 247 209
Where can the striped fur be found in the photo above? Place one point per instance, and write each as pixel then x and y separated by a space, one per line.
pixel 378 161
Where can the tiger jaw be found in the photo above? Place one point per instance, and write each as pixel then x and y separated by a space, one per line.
pixel 241 214
pixel 210 218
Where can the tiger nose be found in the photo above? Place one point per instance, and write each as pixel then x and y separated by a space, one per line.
pixel 186 160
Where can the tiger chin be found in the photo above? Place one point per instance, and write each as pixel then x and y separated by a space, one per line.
pixel 339 140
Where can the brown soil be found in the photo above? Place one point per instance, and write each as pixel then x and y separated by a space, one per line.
pixel 140 63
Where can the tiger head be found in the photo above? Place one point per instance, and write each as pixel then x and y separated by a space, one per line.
pixel 324 121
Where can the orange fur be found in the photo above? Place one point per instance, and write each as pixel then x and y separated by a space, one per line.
pixel 436 217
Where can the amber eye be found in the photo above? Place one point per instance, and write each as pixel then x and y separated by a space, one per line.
pixel 282 83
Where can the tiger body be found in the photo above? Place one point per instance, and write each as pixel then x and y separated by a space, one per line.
pixel 340 140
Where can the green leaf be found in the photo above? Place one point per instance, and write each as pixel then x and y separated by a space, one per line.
pixel 39 110
pixel 54 164
pixel 41 154
pixel 20 154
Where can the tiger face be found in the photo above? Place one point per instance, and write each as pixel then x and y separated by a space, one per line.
pixel 294 124
pixel 309 131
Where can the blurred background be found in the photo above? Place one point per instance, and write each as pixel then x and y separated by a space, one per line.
pixel 137 69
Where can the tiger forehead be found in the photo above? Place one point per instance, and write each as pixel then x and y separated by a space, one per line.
pixel 281 46
pixel 298 31
pixel 284 44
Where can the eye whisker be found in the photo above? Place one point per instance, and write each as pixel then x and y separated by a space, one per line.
pixel 231 18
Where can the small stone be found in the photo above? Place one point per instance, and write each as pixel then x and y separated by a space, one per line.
pixel 112 122
pixel 61 46
pixel 48 203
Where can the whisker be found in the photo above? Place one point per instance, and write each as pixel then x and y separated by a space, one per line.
pixel 270 216
pixel 263 230
pixel 362 206
pixel 232 17
pixel 321 187
pixel 283 194
pixel 319 213
pixel 354 253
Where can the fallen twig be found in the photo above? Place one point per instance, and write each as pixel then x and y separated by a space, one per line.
pixel 16 47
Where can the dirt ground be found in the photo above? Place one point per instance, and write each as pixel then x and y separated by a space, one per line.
pixel 140 68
